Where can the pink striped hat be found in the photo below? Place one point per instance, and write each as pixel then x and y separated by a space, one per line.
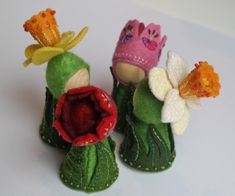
pixel 139 45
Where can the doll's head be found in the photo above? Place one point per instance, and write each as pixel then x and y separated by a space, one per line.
pixel 65 70
pixel 137 51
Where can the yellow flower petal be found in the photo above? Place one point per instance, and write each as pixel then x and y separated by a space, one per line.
pixel 44 54
pixel 31 49
pixel 65 39
pixel 77 39
pixel 27 62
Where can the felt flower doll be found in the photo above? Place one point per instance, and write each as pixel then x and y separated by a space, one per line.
pixel 161 105
pixel 85 117
pixel 137 51
pixel 65 70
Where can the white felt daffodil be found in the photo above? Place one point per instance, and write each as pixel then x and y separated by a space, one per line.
pixel 181 90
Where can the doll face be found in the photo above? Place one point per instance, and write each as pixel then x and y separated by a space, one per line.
pixel 129 73
pixel 79 79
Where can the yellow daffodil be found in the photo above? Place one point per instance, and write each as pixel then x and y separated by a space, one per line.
pixel 44 29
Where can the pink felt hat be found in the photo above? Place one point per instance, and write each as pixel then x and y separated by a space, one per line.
pixel 139 45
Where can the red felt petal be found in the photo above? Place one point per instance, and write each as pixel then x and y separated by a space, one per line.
pixel 106 102
pixel 86 140
pixel 60 106
pixel 58 126
pixel 81 90
pixel 106 126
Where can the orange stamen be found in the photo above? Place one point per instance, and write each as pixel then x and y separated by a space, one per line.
pixel 201 82
pixel 43 28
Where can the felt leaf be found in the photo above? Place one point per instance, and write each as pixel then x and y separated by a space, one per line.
pixel 44 54
pixel 77 39
pixel 65 39
pixel 92 168
pixel 180 126
pixel 31 49
pixel 177 68
pixel 173 108
pixel 159 83
pixel 146 107
pixel 193 103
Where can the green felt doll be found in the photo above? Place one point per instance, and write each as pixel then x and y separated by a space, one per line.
pixel 137 51
pixel 85 117
pixel 161 106
pixel 77 116
pixel 65 70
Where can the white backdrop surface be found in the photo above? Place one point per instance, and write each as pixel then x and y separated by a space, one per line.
pixel 205 158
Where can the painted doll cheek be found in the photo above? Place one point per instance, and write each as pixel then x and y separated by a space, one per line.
pixel 79 79
pixel 129 73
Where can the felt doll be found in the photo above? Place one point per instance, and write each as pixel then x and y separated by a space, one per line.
pixel 161 106
pixel 65 70
pixel 137 51
pixel 77 116
pixel 85 117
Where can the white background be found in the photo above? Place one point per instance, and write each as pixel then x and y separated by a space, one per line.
pixel 205 158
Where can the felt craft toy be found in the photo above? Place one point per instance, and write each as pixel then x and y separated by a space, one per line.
pixel 85 117
pixel 137 51
pixel 161 105
pixel 65 70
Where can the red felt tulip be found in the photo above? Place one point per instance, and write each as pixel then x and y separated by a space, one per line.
pixel 85 115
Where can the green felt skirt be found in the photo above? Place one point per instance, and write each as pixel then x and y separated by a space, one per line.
pixel 47 132
pixel 147 147
pixel 122 96
pixel 90 168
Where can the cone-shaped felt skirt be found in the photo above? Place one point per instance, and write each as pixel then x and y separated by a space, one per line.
pixel 90 168
pixel 148 144
pixel 47 132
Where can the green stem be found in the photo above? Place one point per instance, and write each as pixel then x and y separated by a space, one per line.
pixel 90 168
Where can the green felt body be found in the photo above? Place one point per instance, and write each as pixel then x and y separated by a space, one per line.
pixel 148 144
pixel 60 69
pixel 47 132
pixel 90 168
pixel 122 96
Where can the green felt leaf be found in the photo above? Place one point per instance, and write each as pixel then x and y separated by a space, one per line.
pixel 47 132
pixel 145 147
pixel 60 69
pixel 146 106
pixel 90 168
pixel 122 96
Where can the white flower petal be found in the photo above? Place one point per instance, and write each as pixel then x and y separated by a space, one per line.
pixel 193 103
pixel 180 126
pixel 177 68
pixel 159 83
pixel 174 107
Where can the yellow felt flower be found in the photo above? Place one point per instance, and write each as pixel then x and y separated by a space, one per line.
pixel 181 90
pixel 44 29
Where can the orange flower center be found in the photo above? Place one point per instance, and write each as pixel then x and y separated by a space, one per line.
pixel 43 28
pixel 201 82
